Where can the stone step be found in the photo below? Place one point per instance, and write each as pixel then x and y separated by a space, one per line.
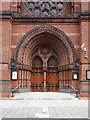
pixel 43 96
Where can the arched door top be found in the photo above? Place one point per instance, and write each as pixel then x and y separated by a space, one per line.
pixel 49 29
pixel 52 62
pixel 37 62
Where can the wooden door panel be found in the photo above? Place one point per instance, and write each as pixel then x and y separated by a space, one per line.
pixel 37 78
pixel 52 80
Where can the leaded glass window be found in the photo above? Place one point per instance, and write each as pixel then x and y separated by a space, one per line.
pixel 31 5
pixel 37 62
pixel 53 11
pixel 37 11
pixel 45 7
pixel 52 62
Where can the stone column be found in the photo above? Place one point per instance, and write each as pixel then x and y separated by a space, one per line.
pixel 22 78
pixel 44 81
pixel 59 81
pixel 45 69
pixel 5 56
pixel 30 80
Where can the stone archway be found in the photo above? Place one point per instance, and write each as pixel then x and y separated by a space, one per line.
pixel 45 42
pixel 32 39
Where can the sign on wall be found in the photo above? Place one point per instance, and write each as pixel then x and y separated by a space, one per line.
pixel 75 75
pixel 14 75
pixel 88 74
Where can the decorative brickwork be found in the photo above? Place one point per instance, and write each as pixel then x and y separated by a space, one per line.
pixel 58 32
pixel 49 29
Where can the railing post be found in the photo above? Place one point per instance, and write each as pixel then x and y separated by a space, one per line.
pixel 76 93
pixel 14 90
pixel 12 94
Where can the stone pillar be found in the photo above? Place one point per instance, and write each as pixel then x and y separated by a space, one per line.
pixel 30 80
pixel 83 87
pixel 5 55
pixel 45 69
pixel 22 78
pixel 59 81
pixel 44 81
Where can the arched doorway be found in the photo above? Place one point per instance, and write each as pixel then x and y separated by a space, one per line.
pixel 49 56
pixel 52 78
pixel 37 75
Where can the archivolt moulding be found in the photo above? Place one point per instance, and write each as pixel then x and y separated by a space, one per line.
pixel 50 29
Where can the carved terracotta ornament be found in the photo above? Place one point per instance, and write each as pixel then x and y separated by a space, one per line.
pixel 44 51
pixel 61 37
pixel 45 7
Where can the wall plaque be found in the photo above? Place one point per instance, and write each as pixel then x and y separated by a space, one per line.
pixel 88 74
pixel 75 75
pixel 14 75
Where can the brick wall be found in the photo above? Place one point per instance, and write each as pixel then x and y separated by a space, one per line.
pixel 14 29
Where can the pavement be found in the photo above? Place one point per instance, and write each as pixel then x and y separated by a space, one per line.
pixel 44 108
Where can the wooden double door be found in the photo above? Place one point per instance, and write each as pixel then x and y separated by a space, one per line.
pixel 38 82
pixel 52 80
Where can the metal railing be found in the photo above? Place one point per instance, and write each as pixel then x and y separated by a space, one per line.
pixel 76 91
pixel 17 88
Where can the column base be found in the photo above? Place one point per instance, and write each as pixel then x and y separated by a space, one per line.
pixel 59 89
pixel 44 89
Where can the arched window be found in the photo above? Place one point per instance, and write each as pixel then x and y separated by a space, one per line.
pixel 52 62
pixel 37 62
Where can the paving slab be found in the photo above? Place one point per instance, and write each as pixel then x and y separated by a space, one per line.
pixel 44 108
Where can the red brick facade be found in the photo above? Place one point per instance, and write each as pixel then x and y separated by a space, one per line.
pixel 23 34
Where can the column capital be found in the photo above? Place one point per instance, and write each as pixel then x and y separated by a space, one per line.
pixel 44 68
